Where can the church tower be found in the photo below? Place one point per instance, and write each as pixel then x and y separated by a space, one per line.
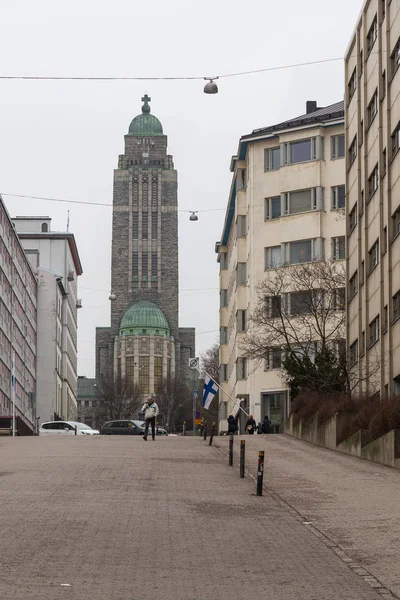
pixel 144 341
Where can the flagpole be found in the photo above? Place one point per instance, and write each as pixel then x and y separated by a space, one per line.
pixel 234 400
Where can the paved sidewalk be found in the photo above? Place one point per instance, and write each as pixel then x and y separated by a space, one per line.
pixel 355 503
pixel 116 518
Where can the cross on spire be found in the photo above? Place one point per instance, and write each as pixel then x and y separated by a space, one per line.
pixel 146 108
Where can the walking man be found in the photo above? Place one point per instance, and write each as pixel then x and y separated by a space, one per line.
pixel 150 410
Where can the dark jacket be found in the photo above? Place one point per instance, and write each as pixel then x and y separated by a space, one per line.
pixel 265 425
pixel 232 426
pixel 252 424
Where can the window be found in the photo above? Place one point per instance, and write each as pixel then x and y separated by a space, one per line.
pixel 272 159
pixel 154 264
pixel 145 226
pixel 353 285
pixel 144 374
pixel 396 140
pixel 384 240
pixel 361 63
pixel 135 226
pixel 302 151
pixel 338 247
pixel 383 10
pixel 353 353
pixel 274 359
pixel 273 257
pixel 274 307
pixel 352 85
pixel 374 331
pixel 383 85
pixel 45 228
pixel 361 203
pixel 362 272
pixel 154 226
pixel 223 335
pixel 145 264
pixel 396 306
pixel 241 274
pixel 362 344
pixel 300 303
pixel 300 252
pixel 302 201
pixel 339 298
pixel 396 223
pixel 241 229
pixel 272 208
pixel 86 403
pixel 337 146
pixel 241 320
pixel 241 368
pixel 373 181
pixel 385 319
pixel 361 140
pixel 338 196
pixel 223 260
pixel 372 108
pixel 395 58
pixel 384 163
pixel 135 264
pixel 223 372
pixel 353 151
pixel 372 34
pixel 373 257
pixel 223 298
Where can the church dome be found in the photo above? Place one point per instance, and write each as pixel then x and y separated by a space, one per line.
pixel 144 318
pixel 145 124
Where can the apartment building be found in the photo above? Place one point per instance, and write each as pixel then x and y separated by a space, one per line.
pixel 54 256
pixel 18 288
pixel 286 206
pixel 373 198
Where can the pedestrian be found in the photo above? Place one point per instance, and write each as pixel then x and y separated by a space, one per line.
pixel 232 425
pixel 259 427
pixel 266 425
pixel 251 425
pixel 150 410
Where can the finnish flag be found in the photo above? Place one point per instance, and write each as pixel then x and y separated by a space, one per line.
pixel 209 390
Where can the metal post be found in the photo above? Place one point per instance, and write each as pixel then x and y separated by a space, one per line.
pixel 76 429
pixel 205 430
pixel 230 449
pixel 212 434
pixel 13 391
pixel 242 457
pixel 260 472
pixel 184 428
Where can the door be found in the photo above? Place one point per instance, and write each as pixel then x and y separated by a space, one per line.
pixel 273 405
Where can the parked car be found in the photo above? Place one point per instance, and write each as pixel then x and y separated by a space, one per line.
pixel 159 430
pixel 66 428
pixel 123 427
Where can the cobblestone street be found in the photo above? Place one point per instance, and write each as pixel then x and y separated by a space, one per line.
pixel 117 518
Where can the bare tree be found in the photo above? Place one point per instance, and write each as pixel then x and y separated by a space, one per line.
pixel 300 313
pixel 210 365
pixel 174 402
pixel 118 398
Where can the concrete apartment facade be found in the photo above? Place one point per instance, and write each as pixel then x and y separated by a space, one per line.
pixel 286 203
pixel 373 198
pixel 18 289
pixel 54 257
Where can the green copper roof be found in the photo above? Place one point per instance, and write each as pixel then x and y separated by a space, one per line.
pixel 145 124
pixel 144 318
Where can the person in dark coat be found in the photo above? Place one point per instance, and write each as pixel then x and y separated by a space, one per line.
pixel 251 425
pixel 232 426
pixel 266 425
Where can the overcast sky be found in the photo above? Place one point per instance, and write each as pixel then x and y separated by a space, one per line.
pixel 62 139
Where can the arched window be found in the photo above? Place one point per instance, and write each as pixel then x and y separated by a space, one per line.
pixel 45 228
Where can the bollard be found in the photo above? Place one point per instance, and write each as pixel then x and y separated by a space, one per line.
pixel 76 429
pixel 205 431
pixel 260 472
pixel 242 457
pixel 184 428
pixel 230 449
pixel 212 434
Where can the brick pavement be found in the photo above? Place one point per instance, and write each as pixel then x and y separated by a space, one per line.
pixel 353 502
pixel 118 518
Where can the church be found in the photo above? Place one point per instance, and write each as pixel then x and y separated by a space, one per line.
pixel 144 342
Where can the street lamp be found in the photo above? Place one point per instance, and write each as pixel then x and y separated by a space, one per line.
pixel 210 87
pixel 193 216
pixel 112 297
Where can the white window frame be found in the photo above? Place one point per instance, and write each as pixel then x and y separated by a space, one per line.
pixel 373 256
pixel 336 247
pixel 353 218
pixel 241 320
pixel 223 335
pixel 241 273
pixel 353 353
pixel 396 306
pixel 269 361
pixel 268 159
pixel 223 298
pixel 395 58
pixel 241 368
pixel 268 208
pixel 373 182
pixel 372 34
pixel 352 85
pixel 353 151
pixel 372 109
pixel 335 146
pixel 241 226
pixel 316 201
pixel 268 258
pixel 316 150
pixel 335 197
pixel 223 372
pixel 396 223
pixel 353 285
pixel 373 330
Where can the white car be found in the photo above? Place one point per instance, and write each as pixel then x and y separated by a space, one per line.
pixel 66 428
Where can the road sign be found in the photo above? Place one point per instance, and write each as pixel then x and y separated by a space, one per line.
pixel 197 421
pixel 194 363
pixel 197 415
